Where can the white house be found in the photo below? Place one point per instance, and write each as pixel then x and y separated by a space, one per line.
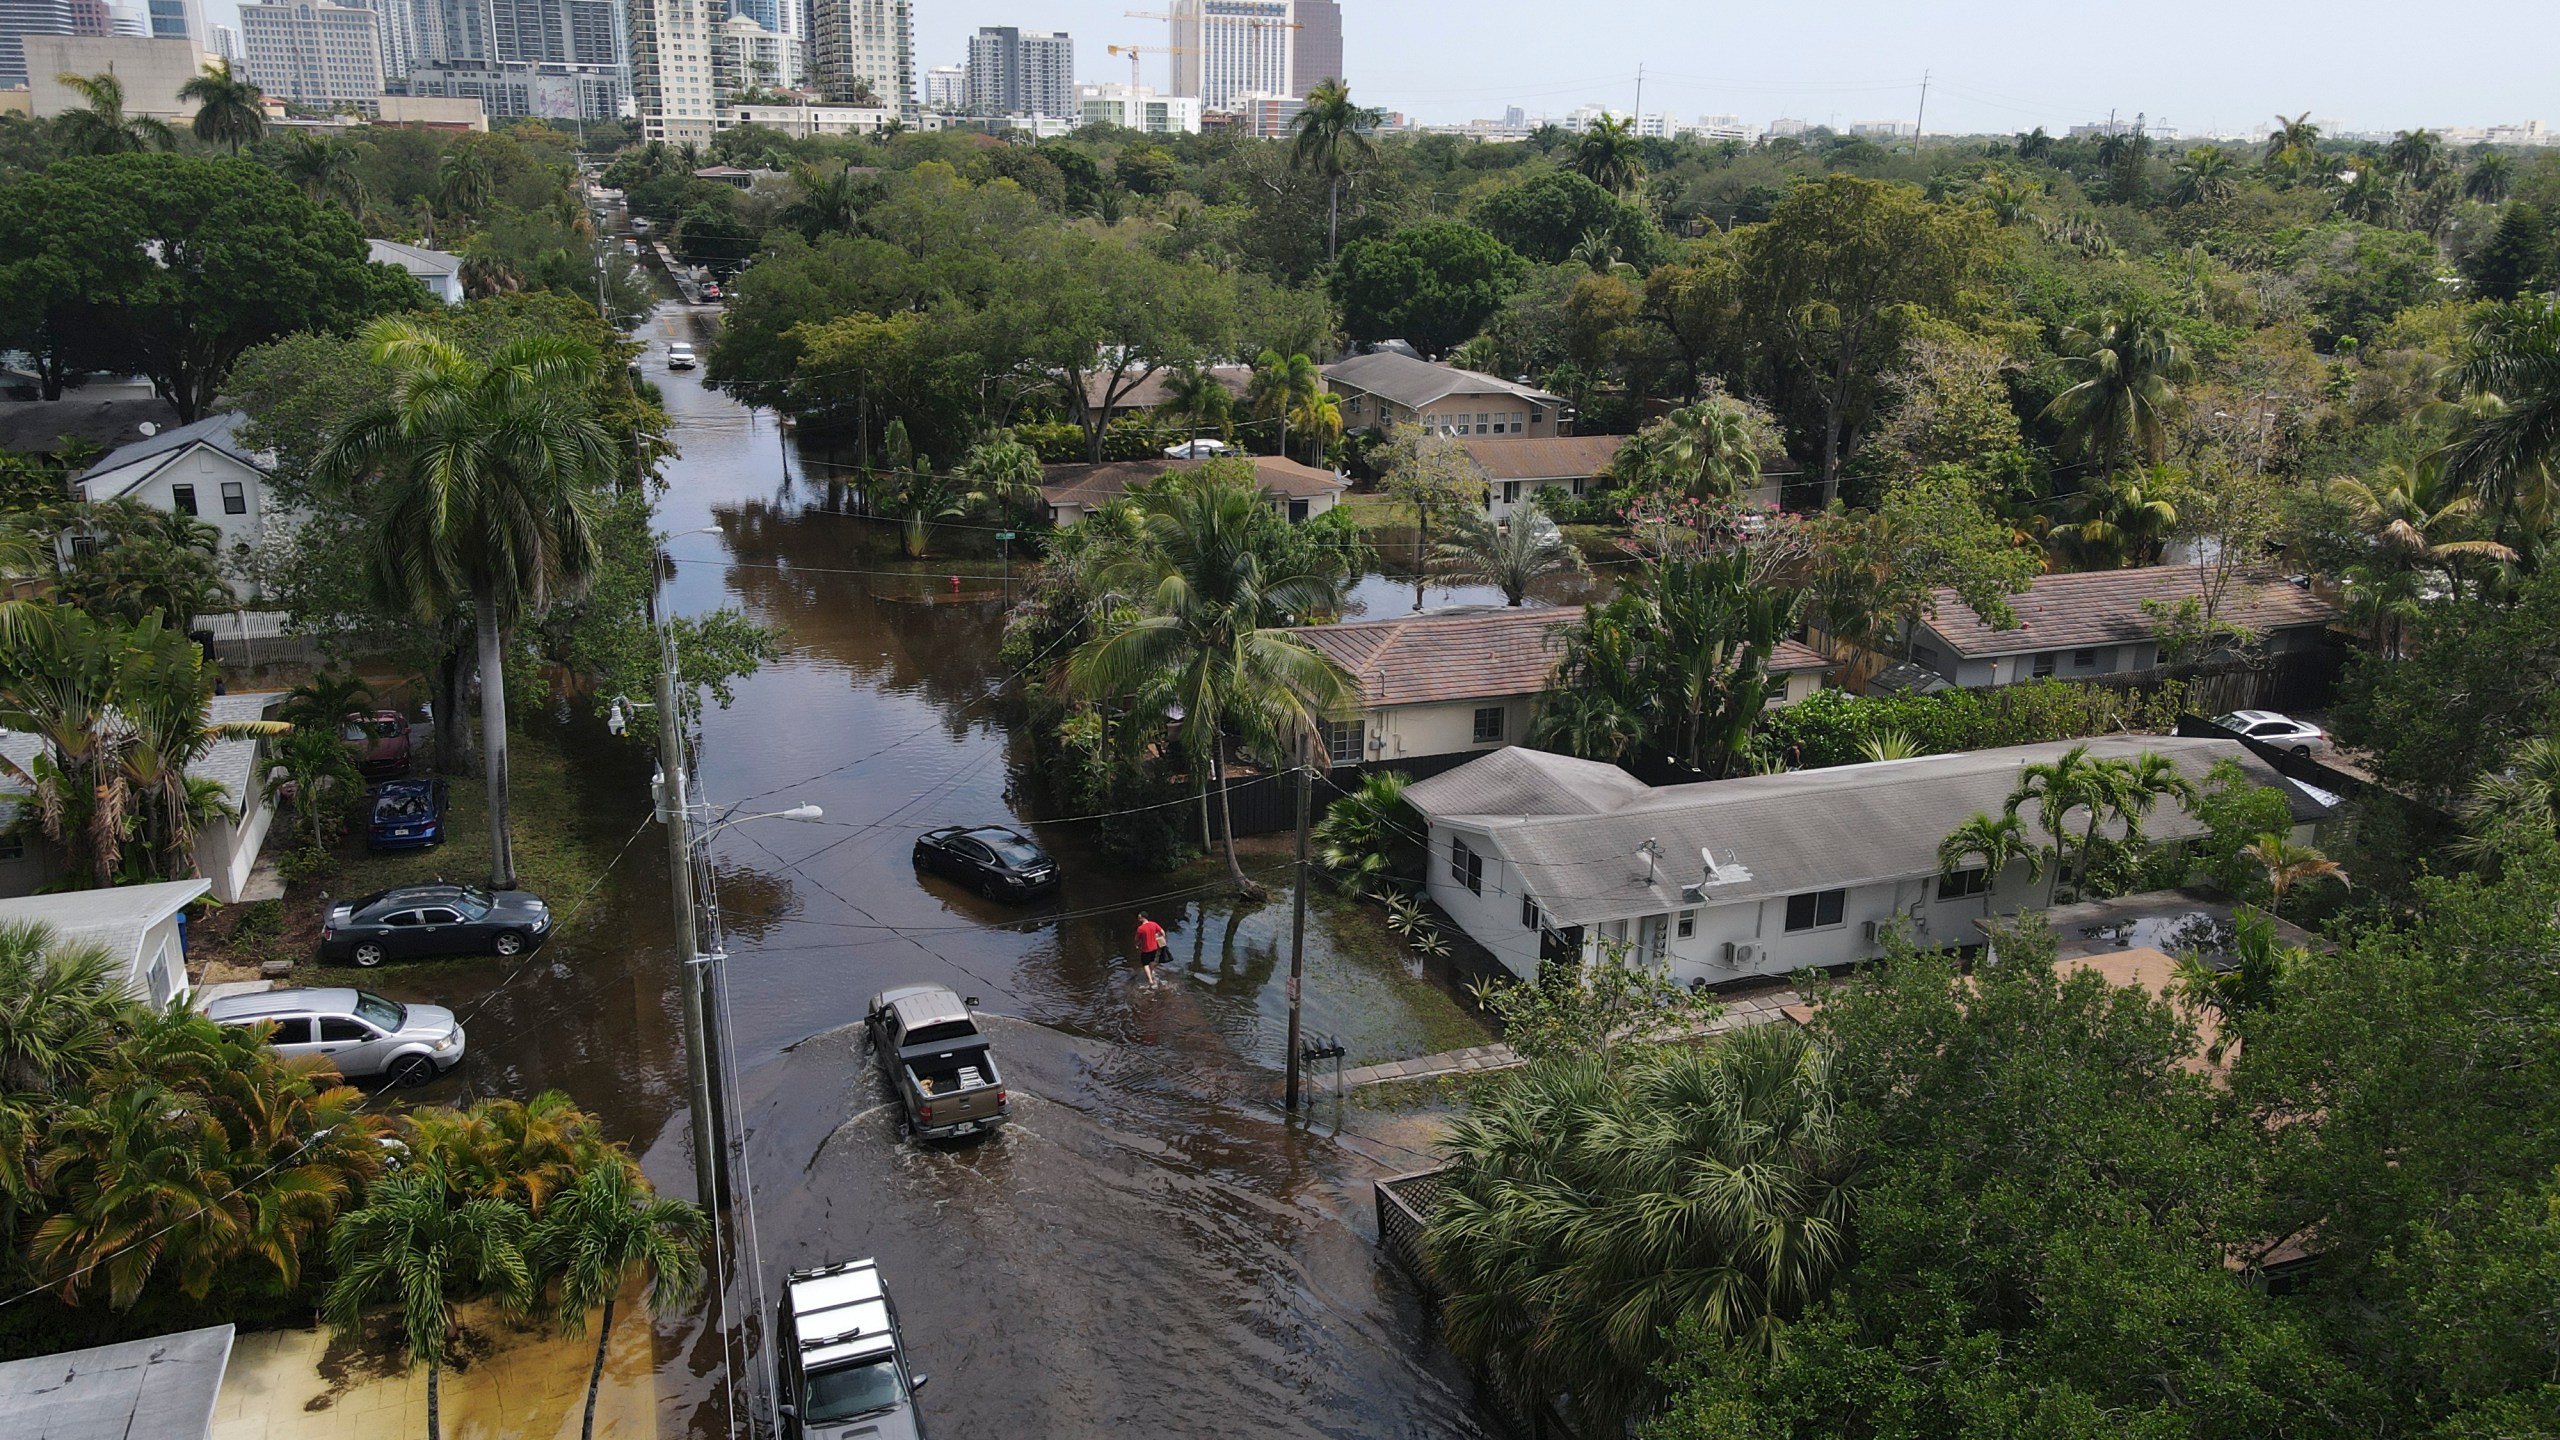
pixel 142 926
pixel 1464 682
pixel 201 470
pixel 440 271
pixel 1540 858
pixel 2094 623
pixel 1516 467
pixel 1298 493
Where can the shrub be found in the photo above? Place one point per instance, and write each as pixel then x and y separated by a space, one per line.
pixel 1831 727
pixel 308 863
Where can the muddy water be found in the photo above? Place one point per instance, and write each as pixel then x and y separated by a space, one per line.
pixel 1150 1249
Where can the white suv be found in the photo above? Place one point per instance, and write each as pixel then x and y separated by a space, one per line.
pixel 679 355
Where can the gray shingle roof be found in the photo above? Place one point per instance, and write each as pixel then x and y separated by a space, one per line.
pixel 1414 383
pixel 2104 607
pixel 162 1388
pixel 115 918
pixel 416 259
pixel 222 432
pixel 230 761
pixel 1573 828
pixel 37 426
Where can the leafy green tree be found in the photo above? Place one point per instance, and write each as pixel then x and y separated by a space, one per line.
pixel 1545 216
pixel 101 127
pixel 1600 1201
pixel 1433 285
pixel 2204 175
pixel 1680 658
pixel 324 170
pixel 144 562
pixel 2518 253
pixel 490 472
pixel 228 106
pixel 412 1247
pixel 1431 473
pixel 2511 351
pixel 597 1235
pixel 1330 135
pixel 1875 575
pixel 1514 556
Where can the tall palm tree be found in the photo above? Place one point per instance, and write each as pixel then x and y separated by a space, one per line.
pixel 413 1247
pixel 2294 144
pixel 2035 144
pixel 1215 627
pixel 2119 524
pixel 462 181
pixel 2415 519
pixel 2520 800
pixel 1513 556
pixel 1194 394
pixel 830 199
pixel 2205 173
pixel 164 693
pixel 324 169
pixel 2125 364
pixel 489 474
pixel 598 1235
pixel 58 683
pixel 2001 841
pixel 229 108
pixel 2074 780
pixel 1610 154
pixel 1331 135
pixel 2490 179
pixel 2510 350
pixel 2288 865
pixel 101 127
pixel 1596 1205
pixel 2418 155
pixel 1283 387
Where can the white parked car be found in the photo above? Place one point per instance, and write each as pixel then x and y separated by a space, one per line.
pixel 1196 450
pixel 679 356
pixel 2282 731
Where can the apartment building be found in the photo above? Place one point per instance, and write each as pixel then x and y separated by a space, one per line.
pixel 314 54
pixel 672 60
pixel 864 45
pixel 1020 72
pixel 1140 109
pixel 1226 50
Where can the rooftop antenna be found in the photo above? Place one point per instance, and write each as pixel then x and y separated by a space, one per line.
pixel 1651 850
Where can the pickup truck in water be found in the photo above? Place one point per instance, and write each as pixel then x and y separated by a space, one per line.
pixel 936 1061
pixel 843 1365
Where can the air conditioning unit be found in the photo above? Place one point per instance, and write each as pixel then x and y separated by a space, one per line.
pixel 1867 928
pixel 1740 954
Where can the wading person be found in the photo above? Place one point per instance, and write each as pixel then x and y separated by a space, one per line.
pixel 1150 947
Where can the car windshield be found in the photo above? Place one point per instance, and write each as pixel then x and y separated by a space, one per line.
pixel 472 903
pixel 386 729
pixel 2235 721
pixel 351 731
pixel 381 1014
pixel 835 1395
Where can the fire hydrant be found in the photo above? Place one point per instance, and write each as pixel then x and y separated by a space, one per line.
pixel 955 584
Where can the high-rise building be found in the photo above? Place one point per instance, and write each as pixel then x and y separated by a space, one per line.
pixel 1315 47
pixel 22 18
pixel 946 89
pixel 672 86
pixel 226 40
pixel 862 47
pixel 517 91
pixel 749 57
pixel 1224 50
pixel 1020 72
pixel 175 20
pixel 313 54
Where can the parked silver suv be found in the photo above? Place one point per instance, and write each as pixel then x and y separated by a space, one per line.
pixel 364 1035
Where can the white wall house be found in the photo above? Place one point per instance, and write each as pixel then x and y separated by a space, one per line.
pixel 1468 681
pixel 139 925
pixel 1386 387
pixel 439 270
pixel 1542 858
pixel 2090 624
pixel 201 470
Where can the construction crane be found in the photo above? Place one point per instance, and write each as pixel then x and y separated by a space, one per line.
pixel 1134 51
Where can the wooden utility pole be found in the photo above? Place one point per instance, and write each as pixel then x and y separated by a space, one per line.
pixel 1298 917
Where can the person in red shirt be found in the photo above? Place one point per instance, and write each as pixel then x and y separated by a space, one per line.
pixel 1150 946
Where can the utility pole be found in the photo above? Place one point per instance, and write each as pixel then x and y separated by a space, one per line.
pixel 1298 918
pixel 1923 118
pixel 689 959
pixel 1639 99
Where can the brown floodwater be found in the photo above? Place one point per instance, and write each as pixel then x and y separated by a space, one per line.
pixel 1151 1248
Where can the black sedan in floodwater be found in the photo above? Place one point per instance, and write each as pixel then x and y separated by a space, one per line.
pixel 418 920
pixel 994 861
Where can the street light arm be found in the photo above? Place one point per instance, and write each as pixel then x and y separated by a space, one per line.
pixel 805 814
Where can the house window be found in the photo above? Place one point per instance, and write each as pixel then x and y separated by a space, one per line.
pixel 1688 924
pixel 1510 492
pixel 1537 417
pixel 1816 910
pixel 2044 665
pixel 84 545
pixel 1925 655
pixel 1963 883
pixel 12 847
pixel 1481 427
pixel 1343 739
pixel 1528 913
pixel 1465 865
pixel 1488 724
pixel 182 498
pixel 235 498
pixel 2084 659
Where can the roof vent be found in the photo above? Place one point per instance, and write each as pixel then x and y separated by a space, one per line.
pixel 148 428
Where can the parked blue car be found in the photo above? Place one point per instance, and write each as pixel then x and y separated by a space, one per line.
pixel 407 815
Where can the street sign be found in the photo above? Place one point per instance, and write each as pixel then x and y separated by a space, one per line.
pixel 1004 534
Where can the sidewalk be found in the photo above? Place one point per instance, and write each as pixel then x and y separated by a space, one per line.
pixel 1741 1011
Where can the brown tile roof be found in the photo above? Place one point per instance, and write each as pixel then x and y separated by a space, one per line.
pixel 2104 607
pixel 1091 485
pixel 1448 655
pixel 1151 391
pixel 1560 457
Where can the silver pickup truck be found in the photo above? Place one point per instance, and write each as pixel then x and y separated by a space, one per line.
pixel 936 1061
pixel 843 1365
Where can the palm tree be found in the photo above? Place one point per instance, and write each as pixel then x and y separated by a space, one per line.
pixel 2510 350
pixel 1002 469
pixel 483 276
pixel 2120 524
pixel 2001 841
pixel 101 127
pixel 2489 179
pixel 2075 780
pixel 2124 363
pixel 1282 388
pixel 600 1233
pixel 163 696
pixel 1330 134
pixel 462 182
pixel 524 1152
pixel 414 1248
pixel 2519 802
pixel 58 678
pixel 2012 198
pixel 2418 155
pixel 490 471
pixel 2413 516
pixel 324 169
pixel 1707 450
pixel 139 1179
pixel 1216 626
pixel 2288 865
pixel 1367 840
pixel 1317 419
pixel 61 1008
pixel 830 199
pixel 1512 557
pixel 2035 144
pixel 228 106
pixel 2206 173
pixel 1610 154
pixel 1195 394
pixel 2294 144
pixel 1597 1204
pixel 2373 196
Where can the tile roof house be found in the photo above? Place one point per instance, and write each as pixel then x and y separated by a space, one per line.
pixel 1298 492
pixel 439 270
pixel 1157 387
pixel 2093 623
pixel 1385 387
pixel 1541 858
pixel 203 470
pixel 1462 682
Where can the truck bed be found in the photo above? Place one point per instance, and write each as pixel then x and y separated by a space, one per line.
pixel 956 1087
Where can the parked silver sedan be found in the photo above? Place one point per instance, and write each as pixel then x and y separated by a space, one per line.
pixel 366 1036
pixel 2269 728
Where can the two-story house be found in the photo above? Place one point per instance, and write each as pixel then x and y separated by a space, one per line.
pixel 2096 623
pixel 1543 859
pixel 1384 388
pixel 201 470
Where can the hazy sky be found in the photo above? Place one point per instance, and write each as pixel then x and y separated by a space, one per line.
pixel 1999 65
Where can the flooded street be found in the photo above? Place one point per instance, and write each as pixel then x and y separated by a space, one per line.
pixel 1150 1249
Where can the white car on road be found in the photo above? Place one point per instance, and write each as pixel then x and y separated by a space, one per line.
pixel 679 356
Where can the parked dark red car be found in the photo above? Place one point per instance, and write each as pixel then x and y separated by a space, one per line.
pixel 379 742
